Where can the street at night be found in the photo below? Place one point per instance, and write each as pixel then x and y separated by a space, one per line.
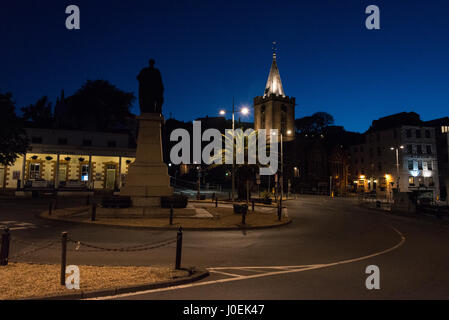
pixel 322 254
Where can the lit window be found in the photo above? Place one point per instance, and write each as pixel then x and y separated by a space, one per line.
pixel 85 172
pixel 419 165
pixel 35 169
pixel 411 181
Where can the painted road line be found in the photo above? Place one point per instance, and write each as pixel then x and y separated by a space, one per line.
pixel 226 273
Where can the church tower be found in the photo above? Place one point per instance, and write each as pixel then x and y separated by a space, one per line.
pixel 275 110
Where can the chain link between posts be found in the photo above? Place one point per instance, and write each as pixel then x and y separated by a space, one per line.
pixel 140 247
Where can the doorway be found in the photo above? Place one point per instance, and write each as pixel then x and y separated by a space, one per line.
pixel 110 176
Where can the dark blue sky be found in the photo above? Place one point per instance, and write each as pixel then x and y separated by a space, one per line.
pixel 209 51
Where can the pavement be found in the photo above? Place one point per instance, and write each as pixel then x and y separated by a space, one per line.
pixel 323 254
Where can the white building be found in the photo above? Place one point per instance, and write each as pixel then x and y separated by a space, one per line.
pixel 70 159
pixel 375 166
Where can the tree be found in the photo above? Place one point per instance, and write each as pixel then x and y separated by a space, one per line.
pixel 99 105
pixel 313 124
pixel 13 140
pixel 39 114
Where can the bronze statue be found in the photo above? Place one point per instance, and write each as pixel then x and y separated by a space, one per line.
pixel 151 89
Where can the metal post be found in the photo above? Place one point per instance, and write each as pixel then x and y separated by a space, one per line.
pixel 4 250
pixel 397 167
pixel 279 211
pixel 252 205
pixel 93 211
pixel 281 178
pixel 244 216
pixel 178 249
pixel 63 256
pixel 171 214
pixel 216 202
pixel 233 152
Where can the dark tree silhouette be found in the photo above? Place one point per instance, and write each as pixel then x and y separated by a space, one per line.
pixel 39 114
pixel 314 124
pixel 13 140
pixel 99 105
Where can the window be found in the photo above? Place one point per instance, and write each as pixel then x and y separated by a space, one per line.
pixel 362 160
pixel 429 149
pixel 35 169
pixel 410 148
pixel 62 141
pixel 410 164
pixel 444 129
pixel 378 136
pixel 371 152
pixel 419 164
pixel 408 132
pixel 421 181
pixel 36 140
pixel 85 172
pixel 87 143
pixel 429 165
pixel 411 181
pixel 379 152
pixel 356 160
pixel 395 133
pixel 427 133
pixel 418 133
pixel 361 149
pixel 430 181
pixel 112 144
pixel 379 166
pixel 419 149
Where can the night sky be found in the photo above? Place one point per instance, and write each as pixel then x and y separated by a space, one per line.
pixel 210 51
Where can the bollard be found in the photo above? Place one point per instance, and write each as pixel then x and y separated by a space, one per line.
pixel 56 203
pixel 171 214
pixel 4 250
pixel 216 202
pixel 93 211
pixel 178 249
pixel 63 256
pixel 252 204
pixel 279 211
pixel 50 205
pixel 243 217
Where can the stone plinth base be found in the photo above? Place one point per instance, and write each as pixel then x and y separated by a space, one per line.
pixel 148 180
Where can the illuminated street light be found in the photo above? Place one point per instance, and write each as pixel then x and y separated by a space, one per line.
pixel 397 163
pixel 244 111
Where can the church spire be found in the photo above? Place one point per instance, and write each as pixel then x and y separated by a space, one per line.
pixel 274 83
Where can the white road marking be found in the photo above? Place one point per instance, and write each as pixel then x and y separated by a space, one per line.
pixel 226 273
pixel 16 225
pixel 290 269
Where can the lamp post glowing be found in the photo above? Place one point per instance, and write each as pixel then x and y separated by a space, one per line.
pixel 397 163
pixel 222 112
pixel 281 178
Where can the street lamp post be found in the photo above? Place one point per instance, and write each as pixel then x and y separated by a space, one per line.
pixel 223 112
pixel 397 163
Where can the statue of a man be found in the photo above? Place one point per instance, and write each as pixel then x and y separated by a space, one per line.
pixel 151 89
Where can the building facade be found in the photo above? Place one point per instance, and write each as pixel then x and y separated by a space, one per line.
pixel 69 160
pixel 403 156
